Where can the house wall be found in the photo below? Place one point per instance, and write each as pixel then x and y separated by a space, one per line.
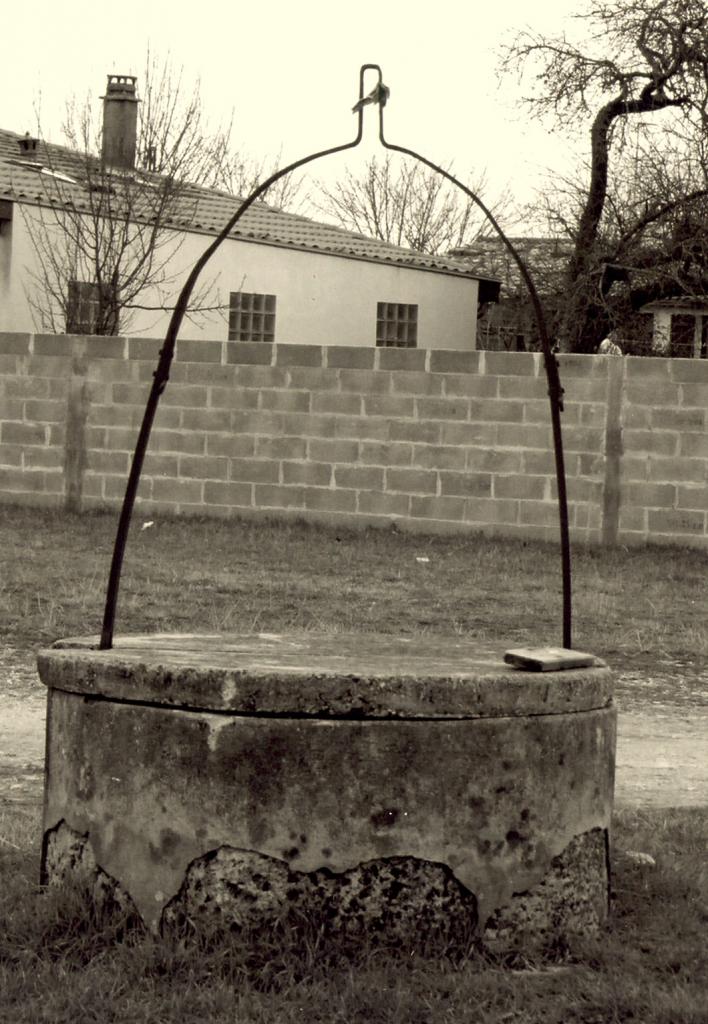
pixel 661 335
pixel 437 440
pixel 664 336
pixel 14 309
pixel 321 299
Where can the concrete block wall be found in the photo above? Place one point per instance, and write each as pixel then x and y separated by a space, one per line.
pixel 664 450
pixel 437 440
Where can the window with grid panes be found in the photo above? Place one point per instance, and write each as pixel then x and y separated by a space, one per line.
pixel 251 317
pixel 396 325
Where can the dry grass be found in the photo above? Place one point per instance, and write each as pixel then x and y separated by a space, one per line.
pixel 209 575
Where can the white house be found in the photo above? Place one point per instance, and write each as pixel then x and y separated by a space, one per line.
pixel 680 327
pixel 279 276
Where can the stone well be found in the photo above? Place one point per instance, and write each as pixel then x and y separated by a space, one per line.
pixel 387 787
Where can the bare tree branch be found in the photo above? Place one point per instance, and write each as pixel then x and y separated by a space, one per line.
pixel 637 60
pixel 401 202
pixel 240 176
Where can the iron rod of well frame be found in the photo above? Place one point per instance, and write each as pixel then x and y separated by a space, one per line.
pixel 162 372
pixel 555 391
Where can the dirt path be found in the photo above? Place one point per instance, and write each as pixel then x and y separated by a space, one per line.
pixel 22 716
pixel 662 741
pixel 662 757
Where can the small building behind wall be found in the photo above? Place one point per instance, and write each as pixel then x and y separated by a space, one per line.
pixel 279 277
pixel 680 327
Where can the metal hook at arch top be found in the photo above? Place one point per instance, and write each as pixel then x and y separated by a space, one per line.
pixel 379 94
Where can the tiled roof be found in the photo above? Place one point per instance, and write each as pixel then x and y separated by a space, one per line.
pixel 55 174
pixel 690 302
pixel 546 258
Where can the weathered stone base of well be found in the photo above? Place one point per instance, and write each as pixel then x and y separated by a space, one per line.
pixel 401 902
pixel 68 859
pixel 388 791
pixel 571 900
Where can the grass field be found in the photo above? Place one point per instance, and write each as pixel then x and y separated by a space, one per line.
pixel 59 964
pixel 209 575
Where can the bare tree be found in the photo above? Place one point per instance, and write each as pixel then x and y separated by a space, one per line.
pixel 107 239
pixel 637 220
pixel 652 242
pixel 402 202
pixel 239 175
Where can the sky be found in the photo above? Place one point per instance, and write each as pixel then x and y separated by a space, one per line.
pixel 289 73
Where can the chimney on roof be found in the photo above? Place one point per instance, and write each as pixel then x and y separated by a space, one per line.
pixel 120 122
pixel 28 146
